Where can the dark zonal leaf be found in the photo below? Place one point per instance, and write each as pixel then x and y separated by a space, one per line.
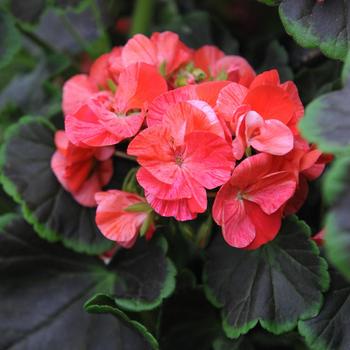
pixel 276 285
pixel 27 176
pixel 327 121
pixel 43 288
pixel 313 24
pixel 27 11
pixel 44 285
pixel 330 329
pixel 337 193
pixel 10 39
pixel 102 304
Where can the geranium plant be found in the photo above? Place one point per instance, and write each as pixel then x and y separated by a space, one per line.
pixel 172 193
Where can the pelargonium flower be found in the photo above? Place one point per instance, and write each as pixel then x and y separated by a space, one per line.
pixel 266 96
pixel 163 50
pixel 207 91
pixel 249 206
pixel 121 216
pixel 81 171
pixel 180 158
pixel 307 163
pixel 263 116
pixel 78 89
pixel 107 118
pixel 218 66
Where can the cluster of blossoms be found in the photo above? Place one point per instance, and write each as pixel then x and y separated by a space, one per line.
pixel 195 120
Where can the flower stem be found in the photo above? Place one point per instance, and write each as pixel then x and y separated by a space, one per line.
pixel 142 16
pixel 123 155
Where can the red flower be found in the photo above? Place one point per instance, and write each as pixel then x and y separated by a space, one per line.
pixel 181 157
pixel 81 171
pixel 163 50
pixel 106 119
pixel 121 215
pixel 217 66
pixel 249 206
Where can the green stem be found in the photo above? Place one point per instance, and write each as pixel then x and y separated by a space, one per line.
pixel 99 22
pixel 123 155
pixel 75 34
pixel 142 16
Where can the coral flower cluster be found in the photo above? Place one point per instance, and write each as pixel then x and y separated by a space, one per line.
pixel 194 120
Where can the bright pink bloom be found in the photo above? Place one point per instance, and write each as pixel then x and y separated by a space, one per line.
pixel 307 163
pixel 266 96
pixel 249 206
pixel 106 119
pixel 180 158
pixel 163 50
pixel 269 136
pixel 207 91
pixel 218 66
pixel 81 171
pixel 318 238
pixel 116 222
pixel 78 89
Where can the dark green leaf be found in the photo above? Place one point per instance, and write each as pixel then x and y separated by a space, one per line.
pixel 27 11
pixel 27 176
pixel 276 57
pixel 44 285
pixel 10 39
pixel 276 285
pixel 188 321
pixel 270 2
pixel 330 329
pixel 327 122
pixel 102 304
pixel 313 82
pixel 337 193
pixel 315 24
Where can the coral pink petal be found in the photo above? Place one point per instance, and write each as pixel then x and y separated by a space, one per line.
pixel 139 83
pixel 170 51
pixel 99 71
pixel 244 73
pixel 84 129
pixel 77 91
pixel 206 57
pixel 208 159
pixel 179 209
pixel 177 190
pixel 296 202
pixel 161 104
pixel 225 193
pixel 270 77
pixel 104 153
pixel 237 229
pixel 61 141
pixel 272 136
pixel 271 102
pixel 272 191
pixel 154 151
pixel 230 98
pixel 239 143
pixel 58 166
pixel 266 226
pixel 115 223
pixel 139 49
pixel 209 91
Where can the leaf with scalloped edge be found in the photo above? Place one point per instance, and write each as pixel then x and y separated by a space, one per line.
pixel 330 329
pixel 319 24
pixel 337 193
pixel 327 122
pixel 26 175
pixel 44 286
pixel 276 285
